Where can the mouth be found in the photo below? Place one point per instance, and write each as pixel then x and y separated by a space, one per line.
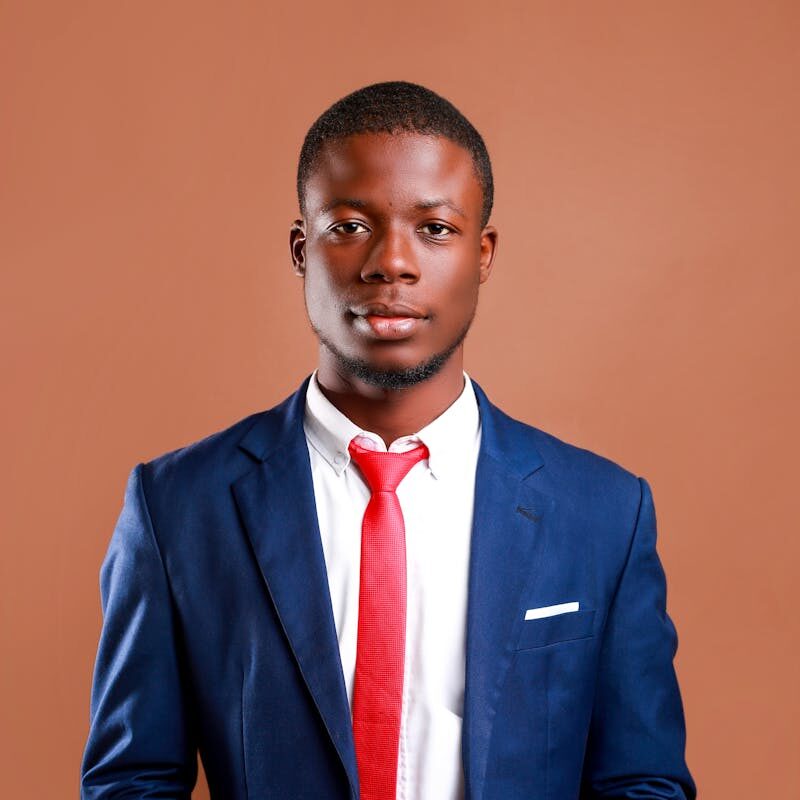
pixel 387 321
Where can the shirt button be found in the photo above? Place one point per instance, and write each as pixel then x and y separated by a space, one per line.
pixel 339 458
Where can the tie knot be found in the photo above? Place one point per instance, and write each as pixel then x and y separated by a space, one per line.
pixel 384 471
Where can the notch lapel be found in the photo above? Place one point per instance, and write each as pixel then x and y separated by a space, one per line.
pixel 508 525
pixel 277 507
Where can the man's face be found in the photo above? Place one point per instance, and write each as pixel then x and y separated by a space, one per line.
pixel 392 253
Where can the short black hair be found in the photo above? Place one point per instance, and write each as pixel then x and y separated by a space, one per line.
pixel 392 107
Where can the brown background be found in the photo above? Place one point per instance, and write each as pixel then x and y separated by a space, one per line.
pixel 644 302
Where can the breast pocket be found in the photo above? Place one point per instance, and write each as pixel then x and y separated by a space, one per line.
pixel 560 628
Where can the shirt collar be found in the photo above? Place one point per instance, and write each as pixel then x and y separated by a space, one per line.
pixel 450 438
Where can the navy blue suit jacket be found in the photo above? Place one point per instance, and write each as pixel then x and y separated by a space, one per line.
pixel 218 630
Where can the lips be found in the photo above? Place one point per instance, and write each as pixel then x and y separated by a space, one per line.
pixel 387 321
pixel 387 310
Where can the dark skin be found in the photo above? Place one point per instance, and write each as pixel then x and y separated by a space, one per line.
pixel 392 254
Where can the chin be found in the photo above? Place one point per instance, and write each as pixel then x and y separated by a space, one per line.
pixel 392 375
pixel 399 374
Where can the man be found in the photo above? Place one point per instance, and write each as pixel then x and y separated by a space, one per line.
pixel 385 587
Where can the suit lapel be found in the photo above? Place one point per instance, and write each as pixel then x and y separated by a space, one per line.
pixel 508 523
pixel 276 503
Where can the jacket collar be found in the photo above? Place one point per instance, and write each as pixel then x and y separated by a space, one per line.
pixel 500 433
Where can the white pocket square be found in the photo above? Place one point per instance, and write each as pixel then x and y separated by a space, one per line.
pixel 551 611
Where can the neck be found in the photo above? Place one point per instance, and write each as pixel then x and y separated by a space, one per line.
pixel 391 413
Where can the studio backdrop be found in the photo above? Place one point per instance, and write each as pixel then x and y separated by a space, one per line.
pixel 644 301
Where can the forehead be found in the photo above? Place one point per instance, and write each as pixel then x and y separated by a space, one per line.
pixel 394 169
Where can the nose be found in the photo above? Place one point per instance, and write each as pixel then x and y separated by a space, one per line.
pixel 391 259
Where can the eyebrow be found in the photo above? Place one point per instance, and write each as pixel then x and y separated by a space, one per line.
pixel 422 205
pixel 348 202
pixel 439 202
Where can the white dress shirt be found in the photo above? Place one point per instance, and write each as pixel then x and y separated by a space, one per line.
pixel 436 498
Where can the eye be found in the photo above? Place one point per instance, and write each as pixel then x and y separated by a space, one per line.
pixel 437 230
pixel 349 228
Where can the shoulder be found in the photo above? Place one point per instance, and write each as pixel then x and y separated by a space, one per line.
pixel 590 483
pixel 573 462
pixel 215 452
pixel 209 465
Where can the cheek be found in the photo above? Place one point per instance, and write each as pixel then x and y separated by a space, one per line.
pixel 320 295
pixel 457 283
pixel 320 284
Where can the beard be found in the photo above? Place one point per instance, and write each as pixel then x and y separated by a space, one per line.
pixel 402 378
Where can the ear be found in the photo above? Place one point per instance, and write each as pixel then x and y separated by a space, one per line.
pixel 297 247
pixel 488 250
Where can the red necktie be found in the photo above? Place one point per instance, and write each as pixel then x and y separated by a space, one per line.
pixel 380 650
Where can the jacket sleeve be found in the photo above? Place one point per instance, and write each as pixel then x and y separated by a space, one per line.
pixel 140 742
pixel 637 738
